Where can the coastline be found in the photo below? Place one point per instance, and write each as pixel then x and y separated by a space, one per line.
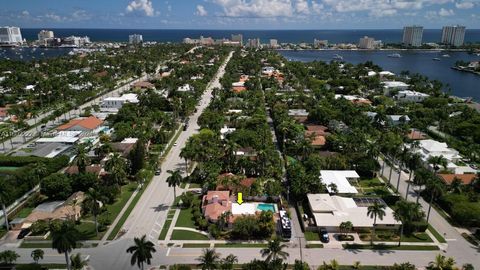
pixel 466 70
pixel 374 50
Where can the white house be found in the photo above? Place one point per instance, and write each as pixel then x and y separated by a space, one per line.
pixel 185 88
pixel 432 148
pixel 329 211
pixel 115 103
pixel 341 179
pixel 394 85
pixel 397 119
pixel 411 96
pixel 226 130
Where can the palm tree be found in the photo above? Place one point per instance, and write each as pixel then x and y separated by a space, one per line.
pixel 403 158
pixel 346 227
pixel 228 262
pixel 209 259
pixel 441 263
pixel 223 219
pixel 94 200
pixel 436 188
pixel 116 166
pixel 141 251
pixel 437 161
pixel 174 180
pixel 407 213
pixel 356 265
pixel 421 178
pixel 81 158
pixel 77 262
pixel 5 195
pixel 374 211
pixel 37 254
pixel 274 250
pixel 64 239
pixel 413 164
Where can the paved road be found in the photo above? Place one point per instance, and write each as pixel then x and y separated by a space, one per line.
pixel 458 247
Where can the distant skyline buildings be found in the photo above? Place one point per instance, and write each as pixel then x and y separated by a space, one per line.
pixel 135 39
pixel 453 35
pixel 366 43
pixel 10 35
pixel 238 38
pixel 412 35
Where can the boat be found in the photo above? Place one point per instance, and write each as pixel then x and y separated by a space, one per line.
pixel 436 59
pixel 446 55
pixel 394 55
pixel 337 57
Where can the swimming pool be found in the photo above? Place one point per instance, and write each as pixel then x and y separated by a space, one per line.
pixel 266 207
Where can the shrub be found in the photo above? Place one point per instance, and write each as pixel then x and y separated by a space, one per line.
pixel 214 231
pixel 203 224
pixel 39 227
pixel 419 226
pixel 56 186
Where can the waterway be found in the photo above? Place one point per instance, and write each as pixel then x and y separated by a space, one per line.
pixel 462 84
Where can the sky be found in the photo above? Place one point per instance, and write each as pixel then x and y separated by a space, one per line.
pixel 239 14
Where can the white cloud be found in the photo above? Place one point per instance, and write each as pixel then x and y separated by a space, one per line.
pixel 25 13
pixel 464 5
pixel 317 7
pixel 144 6
pixel 201 11
pixel 446 12
pixel 81 15
pixel 383 12
pixel 256 8
pixel 301 6
pixel 53 17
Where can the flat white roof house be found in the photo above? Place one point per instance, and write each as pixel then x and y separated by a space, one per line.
pixel 431 148
pixel 329 211
pixel 411 96
pixel 115 103
pixel 394 85
pixel 341 179
pixel 226 130
pixel 397 119
pixel 185 88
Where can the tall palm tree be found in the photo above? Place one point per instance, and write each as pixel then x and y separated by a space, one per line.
pixel 81 158
pixel 37 255
pixel 78 263
pixel 403 158
pixel 274 250
pixel 5 196
pixel 437 161
pixel 117 167
pixel 377 210
pixel 413 163
pixel 421 178
pixel 174 180
pixel 64 239
pixel 436 188
pixel 209 259
pixel 141 251
pixel 94 200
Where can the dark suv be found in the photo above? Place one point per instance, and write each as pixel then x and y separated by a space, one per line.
pixel 324 236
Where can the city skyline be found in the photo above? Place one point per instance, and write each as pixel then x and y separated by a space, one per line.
pixel 241 15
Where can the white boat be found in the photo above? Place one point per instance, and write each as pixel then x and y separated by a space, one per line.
pixel 436 59
pixel 446 55
pixel 394 55
pixel 337 57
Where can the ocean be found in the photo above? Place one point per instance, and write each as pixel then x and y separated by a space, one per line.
pixel 283 36
pixel 457 83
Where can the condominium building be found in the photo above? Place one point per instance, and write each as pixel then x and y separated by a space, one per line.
pixel 45 34
pixel 135 39
pixel 366 43
pixel 238 38
pixel 273 43
pixel 317 43
pixel 412 35
pixel 254 43
pixel 10 35
pixel 453 35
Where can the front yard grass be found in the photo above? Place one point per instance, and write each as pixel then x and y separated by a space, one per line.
pixel 187 235
pixel 193 245
pixel 24 212
pixel 87 231
pixel 185 219
pixel 393 237
pixel 389 247
pixel 312 236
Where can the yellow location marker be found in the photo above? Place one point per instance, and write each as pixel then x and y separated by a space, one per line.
pixel 239 198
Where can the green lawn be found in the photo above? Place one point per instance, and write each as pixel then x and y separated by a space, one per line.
pixel 187 245
pixel 87 231
pixel 312 236
pixel 389 247
pixel 24 212
pixel 194 185
pixel 241 245
pixel 185 219
pixel 437 235
pixel 47 244
pixel 127 212
pixel 165 228
pixel 417 237
pixel 375 182
pixel 187 235
pixel 314 246
pixel 393 237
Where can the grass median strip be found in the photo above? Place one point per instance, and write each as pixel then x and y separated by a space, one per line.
pixel 437 235
pixel 165 228
pixel 241 245
pixel 314 246
pixel 187 235
pixel 194 245
pixel 389 247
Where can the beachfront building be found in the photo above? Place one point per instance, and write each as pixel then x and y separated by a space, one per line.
pixel 318 43
pixel 135 39
pixel 388 86
pixel 254 43
pixel 10 35
pixel 411 96
pixel 238 38
pixel 366 43
pixel 339 182
pixel 412 36
pixel 330 211
pixel 273 43
pixel 45 35
pixel 453 35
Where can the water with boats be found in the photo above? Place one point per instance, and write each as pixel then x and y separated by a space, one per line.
pixel 434 64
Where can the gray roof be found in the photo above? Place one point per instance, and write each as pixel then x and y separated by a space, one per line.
pixel 49 206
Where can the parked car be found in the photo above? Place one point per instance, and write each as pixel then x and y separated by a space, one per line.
pixel 158 171
pixel 23 233
pixel 324 236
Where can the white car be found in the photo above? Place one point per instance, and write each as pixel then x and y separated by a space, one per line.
pixel 174 144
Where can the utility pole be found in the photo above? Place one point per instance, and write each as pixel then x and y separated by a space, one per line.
pixel 300 246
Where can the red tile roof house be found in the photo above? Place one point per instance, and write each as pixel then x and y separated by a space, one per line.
pixel 465 179
pixel 215 203
pixel 318 135
pixel 81 124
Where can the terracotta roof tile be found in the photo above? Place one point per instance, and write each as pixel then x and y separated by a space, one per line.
pixel 91 123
